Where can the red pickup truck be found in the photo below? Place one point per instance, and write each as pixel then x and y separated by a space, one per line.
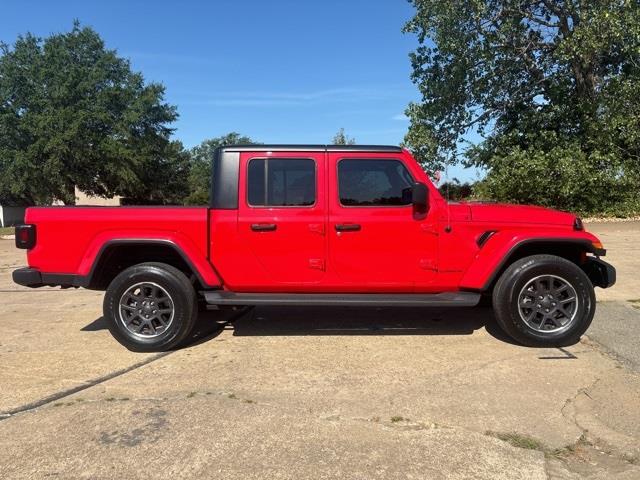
pixel 319 225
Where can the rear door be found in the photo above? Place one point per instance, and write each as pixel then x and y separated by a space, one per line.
pixel 282 216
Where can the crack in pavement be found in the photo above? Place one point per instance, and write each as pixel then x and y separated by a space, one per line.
pixel 70 391
pixel 571 400
pixel 596 441
pixel 200 337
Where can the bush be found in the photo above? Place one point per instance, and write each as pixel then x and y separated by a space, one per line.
pixel 563 177
pixel 456 191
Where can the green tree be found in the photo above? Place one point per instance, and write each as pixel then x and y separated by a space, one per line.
pixel 200 165
pixel 164 177
pixel 456 191
pixel 340 138
pixel 72 113
pixel 552 86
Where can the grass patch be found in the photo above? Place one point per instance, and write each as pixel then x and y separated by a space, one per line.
pixel 632 459
pixel 232 396
pixel 7 230
pixel 582 442
pixel 578 448
pixel 518 440
pixel 191 395
pixel 398 418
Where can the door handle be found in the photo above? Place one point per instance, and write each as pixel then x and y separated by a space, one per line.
pixel 347 227
pixel 263 227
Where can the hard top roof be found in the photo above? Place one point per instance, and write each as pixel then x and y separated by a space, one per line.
pixel 311 148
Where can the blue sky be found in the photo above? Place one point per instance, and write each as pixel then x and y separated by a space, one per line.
pixel 278 71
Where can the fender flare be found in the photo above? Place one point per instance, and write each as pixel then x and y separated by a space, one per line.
pixel 582 243
pixel 85 280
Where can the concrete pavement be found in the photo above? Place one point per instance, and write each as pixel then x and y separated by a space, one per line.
pixel 622 241
pixel 309 393
pixel 617 330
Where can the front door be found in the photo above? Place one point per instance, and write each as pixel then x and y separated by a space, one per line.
pixel 282 216
pixel 375 241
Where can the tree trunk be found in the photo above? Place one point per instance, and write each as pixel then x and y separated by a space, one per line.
pixel 70 194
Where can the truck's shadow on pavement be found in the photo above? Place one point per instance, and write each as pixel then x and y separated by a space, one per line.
pixel 339 321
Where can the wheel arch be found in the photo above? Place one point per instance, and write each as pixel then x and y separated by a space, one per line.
pixel 116 255
pixel 484 274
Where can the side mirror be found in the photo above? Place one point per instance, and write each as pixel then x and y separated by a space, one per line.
pixel 420 198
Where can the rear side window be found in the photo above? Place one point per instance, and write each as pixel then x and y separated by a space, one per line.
pixel 369 183
pixel 281 182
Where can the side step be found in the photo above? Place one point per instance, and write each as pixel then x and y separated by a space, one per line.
pixel 447 299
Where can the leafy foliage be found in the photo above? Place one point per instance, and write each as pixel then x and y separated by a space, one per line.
pixel 561 176
pixel 455 191
pixel 164 178
pixel 72 113
pixel 553 87
pixel 200 165
pixel 340 138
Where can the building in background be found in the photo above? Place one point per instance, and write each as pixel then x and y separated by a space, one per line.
pixel 11 215
pixel 84 199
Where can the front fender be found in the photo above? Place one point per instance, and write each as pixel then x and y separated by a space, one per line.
pixel 500 249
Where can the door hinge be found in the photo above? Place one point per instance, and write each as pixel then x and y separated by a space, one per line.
pixel 316 263
pixel 317 228
pixel 427 264
pixel 429 228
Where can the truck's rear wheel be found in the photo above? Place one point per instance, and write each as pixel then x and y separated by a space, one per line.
pixel 150 307
pixel 544 300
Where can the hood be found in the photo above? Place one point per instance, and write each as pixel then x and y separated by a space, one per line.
pixel 506 213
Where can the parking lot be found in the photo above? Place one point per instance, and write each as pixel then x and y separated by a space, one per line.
pixel 297 393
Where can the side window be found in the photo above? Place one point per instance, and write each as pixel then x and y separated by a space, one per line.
pixel 367 183
pixel 281 182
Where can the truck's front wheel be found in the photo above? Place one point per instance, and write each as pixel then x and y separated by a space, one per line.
pixel 544 300
pixel 150 307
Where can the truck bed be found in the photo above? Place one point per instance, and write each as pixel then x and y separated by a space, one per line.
pixel 70 238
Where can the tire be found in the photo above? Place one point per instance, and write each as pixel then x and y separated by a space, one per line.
pixel 534 307
pixel 150 307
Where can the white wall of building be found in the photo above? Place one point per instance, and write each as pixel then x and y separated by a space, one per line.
pixel 84 199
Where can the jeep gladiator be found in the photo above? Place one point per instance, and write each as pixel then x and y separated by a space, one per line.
pixel 319 225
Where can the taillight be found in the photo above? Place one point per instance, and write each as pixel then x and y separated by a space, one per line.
pixel 25 236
